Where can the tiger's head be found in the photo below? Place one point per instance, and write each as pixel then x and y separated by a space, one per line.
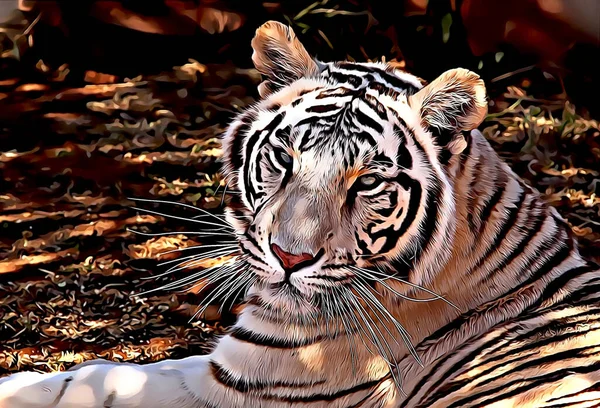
pixel 343 167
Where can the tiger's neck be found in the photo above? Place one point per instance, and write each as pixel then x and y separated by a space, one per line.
pixel 506 247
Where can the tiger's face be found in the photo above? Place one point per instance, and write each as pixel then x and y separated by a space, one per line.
pixel 341 165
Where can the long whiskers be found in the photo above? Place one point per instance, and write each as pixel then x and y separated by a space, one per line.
pixel 224 286
pixel 366 294
pixel 221 227
pixel 160 234
pixel 377 338
pixel 203 211
pixel 380 277
pixel 187 261
pixel 205 273
pixel 219 245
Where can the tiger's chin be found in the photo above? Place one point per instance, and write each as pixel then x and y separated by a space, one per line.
pixel 290 298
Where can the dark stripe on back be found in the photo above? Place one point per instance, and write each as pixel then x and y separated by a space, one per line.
pixel 531 383
pixel 549 330
pixel 559 283
pixel 521 246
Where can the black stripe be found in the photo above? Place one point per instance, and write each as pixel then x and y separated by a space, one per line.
pixel 577 296
pixel 572 404
pixel 570 327
pixel 524 241
pixel 365 137
pixel 471 202
pixel 490 205
pixel 388 77
pixel 307 91
pixel 341 78
pixel 591 388
pixel 500 355
pixel 534 382
pixel 251 239
pixel 429 224
pixel 250 145
pixel 222 376
pixel 339 91
pixel 248 336
pixel 237 139
pixel 385 90
pixel 248 185
pixel 325 397
pixel 366 120
pixel 322 108
pixel 376 106
pixel 559 283
pixel 507 226
pixel 391 234
pixel 311 120
pixel 462 320
pixel 403 158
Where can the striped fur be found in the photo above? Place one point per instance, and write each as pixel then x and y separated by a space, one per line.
pixel 375 175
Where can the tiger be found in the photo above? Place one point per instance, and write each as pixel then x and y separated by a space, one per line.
pixel 392 258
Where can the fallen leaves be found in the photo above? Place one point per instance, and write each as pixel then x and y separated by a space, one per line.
pixel 71 269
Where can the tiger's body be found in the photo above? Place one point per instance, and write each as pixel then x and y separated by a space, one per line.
pixel 349 172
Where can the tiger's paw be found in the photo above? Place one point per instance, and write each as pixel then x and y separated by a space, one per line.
pixel 94 384
pixel 32 390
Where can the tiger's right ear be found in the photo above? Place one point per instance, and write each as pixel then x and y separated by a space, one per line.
pixel 280 57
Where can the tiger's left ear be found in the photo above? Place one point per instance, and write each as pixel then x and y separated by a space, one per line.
pixel 280 57
pixel 454 102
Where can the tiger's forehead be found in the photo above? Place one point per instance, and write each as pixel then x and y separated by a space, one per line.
pixel 331 120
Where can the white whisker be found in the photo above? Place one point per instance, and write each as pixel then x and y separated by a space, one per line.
pixel 186 280
pixel 180 204
pixel 195 262
pixel 221 226
pixel 159 234
pixel 223 244
pixel 375 274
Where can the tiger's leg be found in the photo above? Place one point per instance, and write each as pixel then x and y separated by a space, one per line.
pixel 170 383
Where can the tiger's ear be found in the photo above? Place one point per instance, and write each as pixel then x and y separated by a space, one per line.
pixel 280 57
pixel 454 102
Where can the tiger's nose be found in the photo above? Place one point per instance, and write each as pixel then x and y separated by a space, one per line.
pixel 288 260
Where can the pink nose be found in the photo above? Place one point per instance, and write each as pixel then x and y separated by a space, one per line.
pixel 289 260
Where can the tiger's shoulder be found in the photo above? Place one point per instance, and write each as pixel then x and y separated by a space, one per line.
pixel 545 357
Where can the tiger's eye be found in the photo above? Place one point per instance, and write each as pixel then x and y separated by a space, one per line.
pixel 285 158
pixel 367 180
